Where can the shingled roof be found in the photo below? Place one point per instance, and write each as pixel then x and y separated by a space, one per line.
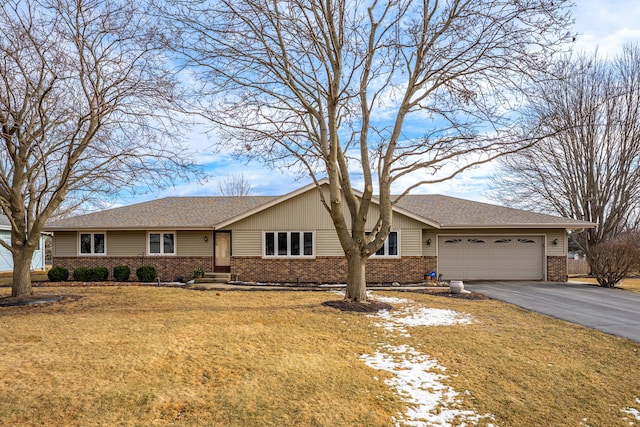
pixel 166 213
pixel 451 212
pixel 438 211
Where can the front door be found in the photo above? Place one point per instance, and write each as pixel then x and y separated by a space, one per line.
pixel 222 261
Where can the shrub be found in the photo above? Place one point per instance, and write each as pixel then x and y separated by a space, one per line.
pixel 98 274
pixel 611 261
pixel 81 274
pixel 146 273
pixel 121 273
pixel 95 274
pixel 58 274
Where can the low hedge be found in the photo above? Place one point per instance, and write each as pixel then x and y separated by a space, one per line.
pixel 58 274
pixel 121 273
pixel 93 274
pixel 146 273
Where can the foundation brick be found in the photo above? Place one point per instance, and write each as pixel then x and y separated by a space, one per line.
pixel 329 269
pixel 557 268
pixel 169 268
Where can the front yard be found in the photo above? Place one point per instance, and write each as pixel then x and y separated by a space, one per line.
pixel 167 356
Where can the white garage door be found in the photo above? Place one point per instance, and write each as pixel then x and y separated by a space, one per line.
pixel 491 257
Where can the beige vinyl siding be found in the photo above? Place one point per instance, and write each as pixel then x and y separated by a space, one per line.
pixel 400 222
pixel 561 248
pixel 429 250
pixel 126 243
pixel 303 212
pixel 191 243
pixel 246 243
pixel 410 242
pixel 65 243
pixel 327 243
pixel 249 243
pixel 306 212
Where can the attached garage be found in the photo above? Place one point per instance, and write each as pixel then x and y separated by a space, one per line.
pixel 496 257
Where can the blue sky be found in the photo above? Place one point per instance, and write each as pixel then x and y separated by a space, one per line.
pixel 604 25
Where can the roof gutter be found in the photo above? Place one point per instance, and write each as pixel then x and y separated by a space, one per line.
pixel 525 225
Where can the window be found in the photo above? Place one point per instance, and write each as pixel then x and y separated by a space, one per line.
pixel 390 246
pixel 162 243
pixel 475 241
pixel 288 243
pixel 502 241
pixel 453 241
pixel 526 241
pixel 92 243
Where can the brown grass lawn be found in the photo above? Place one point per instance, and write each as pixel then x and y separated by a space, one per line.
pixel 629 284
pixel 167 356
pixel 6 277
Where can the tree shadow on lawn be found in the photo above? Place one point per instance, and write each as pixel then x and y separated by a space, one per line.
pixel 36 299
pixel 358 306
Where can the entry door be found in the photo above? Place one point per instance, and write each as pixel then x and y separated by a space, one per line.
pixel 222 261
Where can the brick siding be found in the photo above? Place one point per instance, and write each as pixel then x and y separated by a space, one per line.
pixel 557 268
pixel 329 269
pixel 318 270
pixel 168 268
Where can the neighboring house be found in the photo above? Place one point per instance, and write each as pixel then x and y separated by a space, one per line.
pixel 291 238
pixel 6 260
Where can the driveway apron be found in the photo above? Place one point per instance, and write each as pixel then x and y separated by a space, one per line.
pixel 613 311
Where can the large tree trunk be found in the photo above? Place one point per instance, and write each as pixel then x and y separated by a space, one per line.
pixel 356 282
pixel 21 273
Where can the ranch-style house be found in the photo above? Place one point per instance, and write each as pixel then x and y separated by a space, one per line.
pixel 291 238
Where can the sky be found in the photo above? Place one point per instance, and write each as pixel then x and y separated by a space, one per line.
pixel 604 25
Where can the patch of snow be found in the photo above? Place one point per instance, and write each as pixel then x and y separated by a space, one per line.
pixel 419 379
pixel 388 300
pixel 397 320
pixel 333 285
pixel 419 382
pixel 371 295
pixel 633 412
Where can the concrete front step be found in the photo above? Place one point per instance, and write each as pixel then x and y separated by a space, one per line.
pixel 214 278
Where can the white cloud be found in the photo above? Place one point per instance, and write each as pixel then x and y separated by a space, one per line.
pixel 600 24
pixel 606 25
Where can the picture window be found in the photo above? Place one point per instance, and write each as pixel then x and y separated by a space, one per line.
pixel 288 244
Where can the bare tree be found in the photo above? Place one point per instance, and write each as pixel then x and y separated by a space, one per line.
pixel 589 169
pixel 366 92
pixel 235 185
pixel 85 110
pixel 612 260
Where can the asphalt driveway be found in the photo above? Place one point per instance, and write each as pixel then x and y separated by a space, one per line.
pixel 613 311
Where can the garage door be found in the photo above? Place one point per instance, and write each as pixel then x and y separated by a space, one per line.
pixel 491 257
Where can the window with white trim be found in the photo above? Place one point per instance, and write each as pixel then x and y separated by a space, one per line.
pixel 92 243
pixel 288 244
pixel 390 247
pixel 161 243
